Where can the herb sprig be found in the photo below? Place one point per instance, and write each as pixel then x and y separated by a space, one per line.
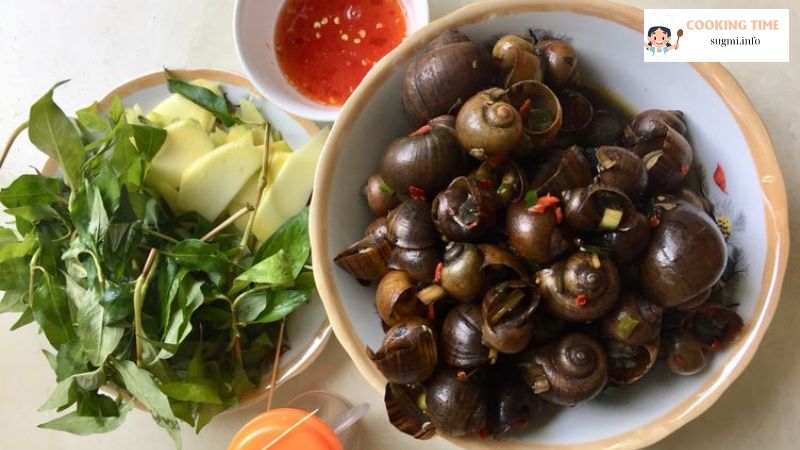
pixel 125 291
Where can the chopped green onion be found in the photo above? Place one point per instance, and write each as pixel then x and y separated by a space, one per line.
pixel 531 198
pixel 385 188
pixel 611 219
pixel 625 325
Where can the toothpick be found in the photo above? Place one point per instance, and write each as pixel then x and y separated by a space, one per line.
pixel 276 364
pixel 233 218
pixel 290 429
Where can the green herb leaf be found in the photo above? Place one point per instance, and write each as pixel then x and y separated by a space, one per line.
pixel 98 339
pixel 270 306
pixel 52 132
pixel 116 112
pixel 14 274
pixel 13 302
pixel 293 237
pixel 92 120
pixel 51 310
pixel 87 425
pixel 24 319
pixel 94 404
pixel 148 140
pixel 197 255
pixel 276 270
pixel 190 297
pixel 205 98
pixel 141 385
pixel 61 396
pixel 29 190
pixel 11 248
pixel 192 392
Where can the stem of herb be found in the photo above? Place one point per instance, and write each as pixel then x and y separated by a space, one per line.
pixel 10 142
pixel 262 184
pixel 34 260
pixel 233 218
pixel 160 235
pixel 138 298
pixel 276 364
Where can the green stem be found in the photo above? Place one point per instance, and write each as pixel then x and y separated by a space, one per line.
pixel 160 235
pixel 262 185
pixel 31 276
pixel 139 291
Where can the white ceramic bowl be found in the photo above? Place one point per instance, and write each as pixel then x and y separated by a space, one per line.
pixel 724 129
pixel 253 31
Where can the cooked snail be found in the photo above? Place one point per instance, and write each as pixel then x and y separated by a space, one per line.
pixel 456 401
pixel 462 344
pixel 686 255
pixel 453 69
pixel 567 372
pixel 507 309
pixel 465 210
pixel 487 125
pixel 423 163
pixel 581 288
pixel 408 354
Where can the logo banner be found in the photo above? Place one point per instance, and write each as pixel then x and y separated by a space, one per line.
pixel 716 35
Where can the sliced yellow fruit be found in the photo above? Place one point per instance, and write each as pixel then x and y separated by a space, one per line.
pixel 177 107
pixel 250 114
pixel 278 154
pixel 211 182
pixel 169 194
pixel 218 137
pixel 186 142
pixel 291 189
pixel 133 113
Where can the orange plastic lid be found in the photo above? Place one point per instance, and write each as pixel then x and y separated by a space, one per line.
pixel 313 434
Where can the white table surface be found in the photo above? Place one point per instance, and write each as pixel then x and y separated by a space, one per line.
pixel 99 43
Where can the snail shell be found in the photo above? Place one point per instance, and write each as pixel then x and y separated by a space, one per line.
pixel 568 372
pixel 408 354
pixel 582 288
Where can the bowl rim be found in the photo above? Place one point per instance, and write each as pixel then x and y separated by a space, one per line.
pixel 313 111
pixel 306 357
pixel 749 122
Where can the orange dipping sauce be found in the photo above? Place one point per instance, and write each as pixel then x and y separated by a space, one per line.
pixel 326 47
pixel 313 434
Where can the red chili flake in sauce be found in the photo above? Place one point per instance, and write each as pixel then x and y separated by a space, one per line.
pixel 421 131
pixel 497 161
pixel 719 179
pixel 716 345
pixel 437 273
pixel 684 170
pixel 655 222
pixel 542 203
pixel 525 108
pixel 486 183
pixel 581 300
pixel 559 215
pixel 326 47
pixel 431 312
pixel 416 193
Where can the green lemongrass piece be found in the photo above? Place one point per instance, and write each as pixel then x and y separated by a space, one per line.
pixel 531 198
pixel 611 219
pixel 385 188
pixel 625 325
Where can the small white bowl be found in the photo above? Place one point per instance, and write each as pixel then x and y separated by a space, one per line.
pixel 253 31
